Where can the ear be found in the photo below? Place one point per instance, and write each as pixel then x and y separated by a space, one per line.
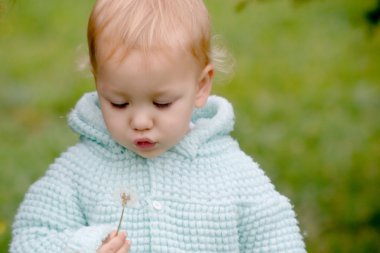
pixel 204 85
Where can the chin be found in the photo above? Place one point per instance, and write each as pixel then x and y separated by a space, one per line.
pixel 150 155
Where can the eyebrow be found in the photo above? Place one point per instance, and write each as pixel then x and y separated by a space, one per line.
pixel 163 92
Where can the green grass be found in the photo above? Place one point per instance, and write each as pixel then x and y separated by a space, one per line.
pixel 306 93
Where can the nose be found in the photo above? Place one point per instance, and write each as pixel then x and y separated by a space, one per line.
pixel 141 121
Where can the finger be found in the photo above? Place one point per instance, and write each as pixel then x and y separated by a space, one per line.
pixel 109 237
pixel 113 234
pixel 125 248
pixel 114 244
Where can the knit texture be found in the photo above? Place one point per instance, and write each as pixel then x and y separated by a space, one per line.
pixel 203 195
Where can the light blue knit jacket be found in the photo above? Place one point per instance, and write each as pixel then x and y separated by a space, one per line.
pixel 203 195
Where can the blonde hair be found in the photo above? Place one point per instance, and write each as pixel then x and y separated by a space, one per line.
pixel 149 25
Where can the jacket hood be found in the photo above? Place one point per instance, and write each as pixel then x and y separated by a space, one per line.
pixel 216 118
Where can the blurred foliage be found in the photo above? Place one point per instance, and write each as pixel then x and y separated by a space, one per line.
pixel 242 4
pixel 306 95
pixel 373 14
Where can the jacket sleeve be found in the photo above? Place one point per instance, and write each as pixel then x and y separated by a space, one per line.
pixel 50 219
pixel 269 226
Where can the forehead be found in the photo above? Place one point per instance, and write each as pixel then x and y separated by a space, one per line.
pixel 155 67
pixel 139 76
pixel 152 59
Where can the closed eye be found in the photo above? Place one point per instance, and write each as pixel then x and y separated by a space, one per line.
pixel 162 105
pixel 119 106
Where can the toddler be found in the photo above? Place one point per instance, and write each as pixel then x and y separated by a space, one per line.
pixel 155 169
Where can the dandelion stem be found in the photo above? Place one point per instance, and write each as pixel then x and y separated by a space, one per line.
pixel 124 199
pixel 121 218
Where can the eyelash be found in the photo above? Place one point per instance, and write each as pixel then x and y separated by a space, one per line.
pixel 162 106
pixel 119 106
pixel 158 105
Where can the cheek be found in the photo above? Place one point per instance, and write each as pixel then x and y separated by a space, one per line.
pixel 117 130
pixel 179 119
pixel 114 122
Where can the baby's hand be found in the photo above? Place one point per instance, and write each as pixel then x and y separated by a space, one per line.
pixel 115 243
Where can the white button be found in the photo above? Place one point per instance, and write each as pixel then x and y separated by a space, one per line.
pixel 157 205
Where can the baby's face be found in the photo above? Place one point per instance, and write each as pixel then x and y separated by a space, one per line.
pixel 147 101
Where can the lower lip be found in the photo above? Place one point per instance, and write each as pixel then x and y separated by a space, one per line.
pixel 145 144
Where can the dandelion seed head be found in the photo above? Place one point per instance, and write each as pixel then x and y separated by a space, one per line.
pixel 125 197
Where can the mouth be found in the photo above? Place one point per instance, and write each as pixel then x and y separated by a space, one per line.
pixel 144 143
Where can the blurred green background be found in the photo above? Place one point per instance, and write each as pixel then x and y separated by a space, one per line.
pixel 306 92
